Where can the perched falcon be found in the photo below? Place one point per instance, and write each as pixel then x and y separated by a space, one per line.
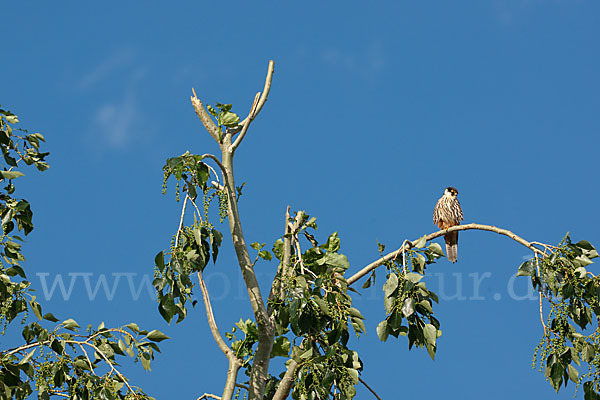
pixel 448 213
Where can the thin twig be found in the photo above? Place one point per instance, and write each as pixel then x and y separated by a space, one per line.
pixel 216 160
pixel 181 220
pixel 87 358
pixel 256 107
pixel 403 247
pixel 364 271
pixel 537 267
pixel 107 361
pixel 196 207
pixel 368 387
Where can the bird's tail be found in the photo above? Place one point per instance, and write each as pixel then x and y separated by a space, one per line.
pixel 452 246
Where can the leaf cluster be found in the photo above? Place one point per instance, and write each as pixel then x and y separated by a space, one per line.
pixel 224 116
pixel 574 297
pixel 63 362
pixel 173 280
pixel 408 302
pixel 58 361
pixel 313 318
pixel 188 168
pixel 192 246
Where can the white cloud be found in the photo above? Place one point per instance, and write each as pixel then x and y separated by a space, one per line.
pixel 118 59
pixel 369 60
pixel 117 117
pixel 509 12
pixel 115 122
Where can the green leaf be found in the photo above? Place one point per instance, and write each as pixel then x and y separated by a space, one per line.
pixel 215 242
pixel 11 174
pixel 265 255
pixel 281 347
pixel 588 353
pixel 159 261
pixel 11 119
pixel 582 261
pixel 527 268
pixel 322 305
pixel 278 248
pixel 70 324
pixel 584 244
pixel 436 249
pixel 382 331
pixel 420 242
pixel 146 358
pixel 230 119
pixel 156 336
pixel 82 364
pixel 430 334
pixel 353 374
pixel 414 277
pixel 212 111
pixel 167 307
pixel 367 283
pixel 307 354
pixel 50 317
pixel 573 373
pixel 390 285
pixel 256 245
pixel 419 263
pixel 36 307
pixel 425 304
pixel 26 359
pixel 333 243
pixel 431 350
pixel 408 308
pixel 355 313
pixel 133 327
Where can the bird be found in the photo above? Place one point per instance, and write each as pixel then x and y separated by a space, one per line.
pixel 448 213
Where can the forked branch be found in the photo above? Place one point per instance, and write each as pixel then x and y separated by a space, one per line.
pixel 257 105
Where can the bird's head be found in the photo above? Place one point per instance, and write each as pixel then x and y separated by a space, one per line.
pixel 451 191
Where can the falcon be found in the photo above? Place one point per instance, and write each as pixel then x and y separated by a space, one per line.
pixel 447 213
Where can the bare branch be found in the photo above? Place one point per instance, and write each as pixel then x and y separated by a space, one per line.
pixel 208 396
pixel 207 121
pixel 285 386
pixel 211 319
pixel 431 236
pixel 369 387
pixel 230 384
pixel 266 90
pixel 257 105
pixel 181 220
pixel 234 362
pixel 216 160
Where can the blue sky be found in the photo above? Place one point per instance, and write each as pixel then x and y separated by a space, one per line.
pixel 374 110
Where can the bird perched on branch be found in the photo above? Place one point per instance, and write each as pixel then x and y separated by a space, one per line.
pixel 448 213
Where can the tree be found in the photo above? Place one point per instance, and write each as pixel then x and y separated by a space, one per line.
pixel 57 359
pixel 307 315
